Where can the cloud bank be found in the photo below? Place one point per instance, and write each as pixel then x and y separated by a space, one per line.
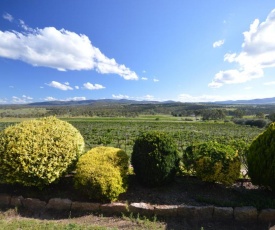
pixel 58 49
pixel 258 53
pixel 66 86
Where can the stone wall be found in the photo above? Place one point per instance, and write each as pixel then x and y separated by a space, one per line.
pixel 246 214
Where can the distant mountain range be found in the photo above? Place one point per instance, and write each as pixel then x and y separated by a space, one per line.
pixel 253 101
pixel 101 102
pixel 93 102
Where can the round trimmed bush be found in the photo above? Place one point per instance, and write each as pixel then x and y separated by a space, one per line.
pixel 214 162
pixel 155 158
pixel 261 158
pixel 38 152
pixel 102 173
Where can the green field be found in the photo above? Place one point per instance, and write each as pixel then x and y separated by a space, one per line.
pixel 121 132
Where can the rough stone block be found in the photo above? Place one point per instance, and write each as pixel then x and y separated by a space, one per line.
pixel 267 215
pixel 247 213
pixel 5 200
pixel 16 201
pixel 166 210
pixel 85 206
pixel 111 208
pixel 197 212
pixel 223 213
pixel 141 208
pixel 33 204
pixel 59 204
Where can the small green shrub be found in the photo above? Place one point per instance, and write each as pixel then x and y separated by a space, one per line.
pixel 261 158
pixel 213 162
pixel 242 148
pixel 260 123
pixel 155 158
pixel 102 173
pixel 38 152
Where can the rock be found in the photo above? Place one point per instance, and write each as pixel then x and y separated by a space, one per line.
pixel 4 200
pixel 16 201
pixel 33 204
pixel 223 213
pixel 114 208
pixel 267 215
pixel 247 213
pixel 85 206
pixel 141 208
pixel 59 204
pixel 166 210
pixel 199 213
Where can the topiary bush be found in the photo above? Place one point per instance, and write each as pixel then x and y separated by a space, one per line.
pixel 102 173
pixel 261 158
pixel 38 152
pixel 155 158
pixel 214 162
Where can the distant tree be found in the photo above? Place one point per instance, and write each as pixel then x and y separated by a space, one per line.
pixel 213 114
pixel 271 117
pixel 260 115
pixel 238 113
pixel 197 113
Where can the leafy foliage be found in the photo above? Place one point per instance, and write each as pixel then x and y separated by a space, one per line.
pixel 102 173
pixel 38 152
pixel 155 158
pixel 260 123
pixel 213 162
pixel 261 158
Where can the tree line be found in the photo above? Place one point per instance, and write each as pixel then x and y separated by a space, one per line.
pixel 205 111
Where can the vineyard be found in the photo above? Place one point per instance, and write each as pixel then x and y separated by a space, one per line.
pixel 121 132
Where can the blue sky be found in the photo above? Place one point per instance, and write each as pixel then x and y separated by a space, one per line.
pixel 182 50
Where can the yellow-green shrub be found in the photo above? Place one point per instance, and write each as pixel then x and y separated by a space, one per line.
pixel 117 157
pixel 261 159
pixel 102 172
pixel 38 152
pixel 214 162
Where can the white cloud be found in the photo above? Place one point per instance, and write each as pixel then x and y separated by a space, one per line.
pixel 148 97
pixel 8 17
pixel 21 100
pixel 76 87
pixel 3 101
pixel 144 78
pixel 25 27
pixel 27 97
pixel 234 76
pixel 218 43
pixel 67 99
pixel 50 99
pixel 76 99
pixel 91 86
pixel 120 96
pixel 270 83
pixel 59 49
pixel 248 88
pixel 213 98
pixel 60 86
pixel 155 80
pixel 258 53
